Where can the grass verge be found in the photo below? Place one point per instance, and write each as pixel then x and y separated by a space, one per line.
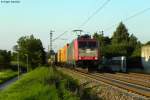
pixel 6 75
pixel 42 84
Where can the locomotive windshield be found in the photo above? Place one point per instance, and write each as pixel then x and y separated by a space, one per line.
pixel 92 44
pixel 87 44
pixel 87 48
pixel 82 44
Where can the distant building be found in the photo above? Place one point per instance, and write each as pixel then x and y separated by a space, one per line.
pixel 145 57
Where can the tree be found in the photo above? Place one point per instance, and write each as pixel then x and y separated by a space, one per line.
pixel 133 40
pixel 123 43
pixel 5 58
pixel 148 43
pixel 33 48
pixel 104 41
pixel 134 46
pixel 121 34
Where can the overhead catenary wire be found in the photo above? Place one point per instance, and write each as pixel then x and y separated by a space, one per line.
pixel 94 13
pixel 59 35
pixel 88 19
pixel 128 18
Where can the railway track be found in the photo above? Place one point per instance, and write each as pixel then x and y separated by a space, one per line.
pixel 136 76
pixel 126 79
pixel 131 87
pixel 141 75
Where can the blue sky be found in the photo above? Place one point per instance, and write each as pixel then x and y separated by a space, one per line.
pixel 38 17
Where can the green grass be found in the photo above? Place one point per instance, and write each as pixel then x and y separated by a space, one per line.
pixel 6 75
pixel 41 84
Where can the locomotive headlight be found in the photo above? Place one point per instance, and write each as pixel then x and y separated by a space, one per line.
pixel 79 58
pixel 96 58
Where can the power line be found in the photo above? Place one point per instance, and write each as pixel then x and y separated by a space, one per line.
pixel 59 36
pixel 138 13
pixel 128 18
pixel 89 18
pixel 99 9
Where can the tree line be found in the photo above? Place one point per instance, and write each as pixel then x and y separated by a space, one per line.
pixel 28 47
pixel 5 58
pixel 121 43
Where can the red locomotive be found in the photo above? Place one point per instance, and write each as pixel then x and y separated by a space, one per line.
pixel 83 51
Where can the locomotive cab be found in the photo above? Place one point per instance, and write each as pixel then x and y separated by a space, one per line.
pixel 81 52
pixel 87 52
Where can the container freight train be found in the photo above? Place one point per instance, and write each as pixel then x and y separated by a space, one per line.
pixel 82 52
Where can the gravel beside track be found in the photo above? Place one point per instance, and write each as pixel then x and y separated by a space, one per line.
pixel 102 89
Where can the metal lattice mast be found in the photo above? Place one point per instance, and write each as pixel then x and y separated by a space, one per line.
pixel 51 44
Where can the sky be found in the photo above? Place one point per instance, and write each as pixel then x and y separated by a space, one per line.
pixel 38 17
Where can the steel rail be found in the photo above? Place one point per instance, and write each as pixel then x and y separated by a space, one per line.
pixel 144 91
pixel 136 76
pixel 139 74
pixel 125 79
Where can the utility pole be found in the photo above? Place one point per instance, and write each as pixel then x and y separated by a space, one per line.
pixel 27 60
pixel 18 64
pixel 102 32
pixel 27 63
pixel 48 48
